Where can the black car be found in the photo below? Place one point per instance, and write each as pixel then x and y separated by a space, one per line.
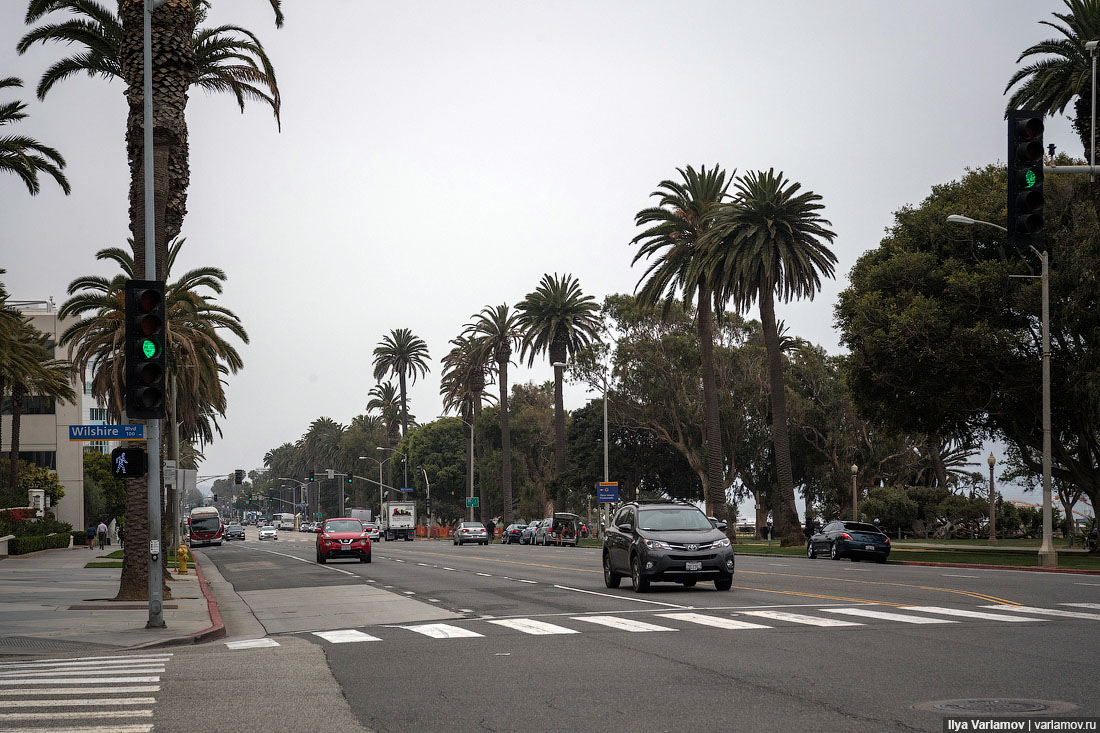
pixel 666 541
pixel 234 532
pixel 511 534
pixel 855 540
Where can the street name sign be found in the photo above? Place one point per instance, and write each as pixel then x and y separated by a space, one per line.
pixel 106 432
pixel 607 492
pixel 475 502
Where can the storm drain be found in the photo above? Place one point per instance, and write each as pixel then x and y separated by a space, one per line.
pixel 33 644
pixel 992 706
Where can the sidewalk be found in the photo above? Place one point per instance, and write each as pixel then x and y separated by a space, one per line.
pixel 51 603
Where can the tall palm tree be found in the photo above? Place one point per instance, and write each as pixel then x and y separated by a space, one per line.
pixel 558 320
pixel 1064 74
pixel 227 58
pixel 385 399
pixel 404 355
pixel 462 385
pixel 770 242
pixel 499 333
pixel 671 240
pixel 25 156
pixel 15 361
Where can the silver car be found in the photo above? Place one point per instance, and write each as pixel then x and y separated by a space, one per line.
pixel 471 532
pixel 372 529
pixel 267 532
pixel 527 536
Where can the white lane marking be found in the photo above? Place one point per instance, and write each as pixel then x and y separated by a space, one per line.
pixel 251 643
pixel 799 618
pixel 85 690
pixel 531 626
pixel 1094 585
pixel 92 660
pixel 969 614
pixel 139 728
pixel 451 569
pixel 121 663
pixel 717 622
pixel 409 593
pixel 441 631
pixel 77 672
pixel 779 565
pixel 532 582
pixel 622 624
pixel 484 575
pixel 97 702
pixel 1047 612
pixel 952 575
pixel 422 564
pixel 1081 605
pixel 622 598
pixel 466 610
pixel 345 636
pixel 433 600
pixel 78 715
pixel 65 681
pixel 882 615
pixel 302 559
pixel 396 560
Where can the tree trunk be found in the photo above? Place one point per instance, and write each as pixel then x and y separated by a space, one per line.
pixel 404 409
pixel 785 512
pixel 18 391
pixel 505 439
pixel 714 489
pixel 134 585
pixel 558 355
pixel 937 462
pixel 1082 125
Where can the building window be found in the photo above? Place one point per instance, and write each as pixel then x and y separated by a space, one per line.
pixel 88 388
pixel 32 405
pixel 97 446
pixel 43 458
pixel 97 413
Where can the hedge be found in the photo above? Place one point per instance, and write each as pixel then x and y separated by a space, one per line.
pixel 79 537
pixel 34 543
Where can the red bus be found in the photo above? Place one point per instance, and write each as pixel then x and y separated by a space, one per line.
pixel 205 526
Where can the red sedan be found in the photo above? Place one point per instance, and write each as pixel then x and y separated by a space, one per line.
pixel 343 538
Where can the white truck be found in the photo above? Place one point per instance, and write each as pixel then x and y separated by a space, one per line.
pixel 398 520
pixel 363 515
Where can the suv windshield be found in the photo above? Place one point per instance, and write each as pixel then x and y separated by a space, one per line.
pixel 672 520
pixel 343 525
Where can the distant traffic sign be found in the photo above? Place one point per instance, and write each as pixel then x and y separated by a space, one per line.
pixel 607 492
pixel 106 432
pixel 474 502
pixel 408 490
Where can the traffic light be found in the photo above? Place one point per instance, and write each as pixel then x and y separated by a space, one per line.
pixel 311 475
pixel 214 497
pixel 238 477
pixel 1025 176
pixel 145 344
pixel 349 478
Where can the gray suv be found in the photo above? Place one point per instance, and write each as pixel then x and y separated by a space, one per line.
pixel 666 542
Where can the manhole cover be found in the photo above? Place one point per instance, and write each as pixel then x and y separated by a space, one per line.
pixel 993 706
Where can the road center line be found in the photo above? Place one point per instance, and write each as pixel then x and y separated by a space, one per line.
pixel 622 598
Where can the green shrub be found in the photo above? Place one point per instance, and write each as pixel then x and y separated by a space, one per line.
pixel 79 536
pixel 34 543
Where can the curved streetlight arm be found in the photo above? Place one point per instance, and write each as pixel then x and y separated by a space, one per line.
pixel 960 219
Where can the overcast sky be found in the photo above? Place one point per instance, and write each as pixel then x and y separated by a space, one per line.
pixel 438 157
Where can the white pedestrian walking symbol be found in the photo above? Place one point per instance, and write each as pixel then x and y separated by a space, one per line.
pixel 120 463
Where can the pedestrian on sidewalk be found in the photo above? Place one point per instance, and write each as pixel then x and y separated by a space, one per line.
pixel 492 528
pixel 102 531
pixel 91 535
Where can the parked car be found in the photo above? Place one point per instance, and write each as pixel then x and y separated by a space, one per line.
pixel 511 534
pixel 527 536
pixel 666 542
pixel 305 527
pixel 561 529
pixel 471 532
pixel 343 538
pixel 267 532
pixel 854 540
pixel 372 529
pixel 235 532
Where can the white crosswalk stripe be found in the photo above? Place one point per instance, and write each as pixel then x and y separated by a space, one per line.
pixel 970 614
pixel 1082 605
pixel 885 616
pixel 442 631
pixel 623 624
pixel 531 626
pixel 345 636
pixel 801 618
pixel 90 694
pixel 717 622
pixel 251 643
pixel 1048 612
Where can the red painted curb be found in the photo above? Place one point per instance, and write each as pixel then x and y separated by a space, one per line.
pixel 1068 571
pixel 217 630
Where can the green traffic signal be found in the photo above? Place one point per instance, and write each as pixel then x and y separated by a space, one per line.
pixel 1029 179
pixel 149 348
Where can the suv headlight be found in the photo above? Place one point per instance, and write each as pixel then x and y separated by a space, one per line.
pixel 656 545
pixel 724 542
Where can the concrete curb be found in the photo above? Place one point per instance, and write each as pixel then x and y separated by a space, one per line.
pixel 975 566
pixel 217 628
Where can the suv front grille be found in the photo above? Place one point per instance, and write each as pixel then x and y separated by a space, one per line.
pixel 692 557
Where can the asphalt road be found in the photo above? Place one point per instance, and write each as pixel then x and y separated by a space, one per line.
pixel 430 637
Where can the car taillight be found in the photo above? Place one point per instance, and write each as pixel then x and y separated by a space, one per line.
pixel 845 535
pixel 887 540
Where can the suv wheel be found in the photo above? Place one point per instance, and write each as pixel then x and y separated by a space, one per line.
pixel 640 583
pixel 610 577
pixel 724 583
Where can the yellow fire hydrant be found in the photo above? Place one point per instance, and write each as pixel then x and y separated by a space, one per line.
pixel 182 556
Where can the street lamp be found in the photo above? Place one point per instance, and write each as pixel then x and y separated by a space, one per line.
pixel 855 513
pixel 469 466
pixel 380 464
pixel 992 502
pixel 1048 556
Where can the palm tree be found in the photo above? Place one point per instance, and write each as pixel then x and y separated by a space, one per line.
pixel 15 361
pixel 403 355
pixel 227 58
pixel 675 227
pixel 462 385
pixel 769 242
pixel 385 399
pixel 499 333
pixel 558 320
pixel 25 156
pixel 1049 84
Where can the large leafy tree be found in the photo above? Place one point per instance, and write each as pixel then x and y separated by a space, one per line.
pixel 386 400
pixel 24 156
pixel 670 243
pixel 403 354
pixel 499 334
pixel 770 242
pixel 223 59
pixel 462 385
pixel 558 320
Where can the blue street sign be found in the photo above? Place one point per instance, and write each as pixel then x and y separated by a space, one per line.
pixel 607 492
pixel 409 490
pixel 106 432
